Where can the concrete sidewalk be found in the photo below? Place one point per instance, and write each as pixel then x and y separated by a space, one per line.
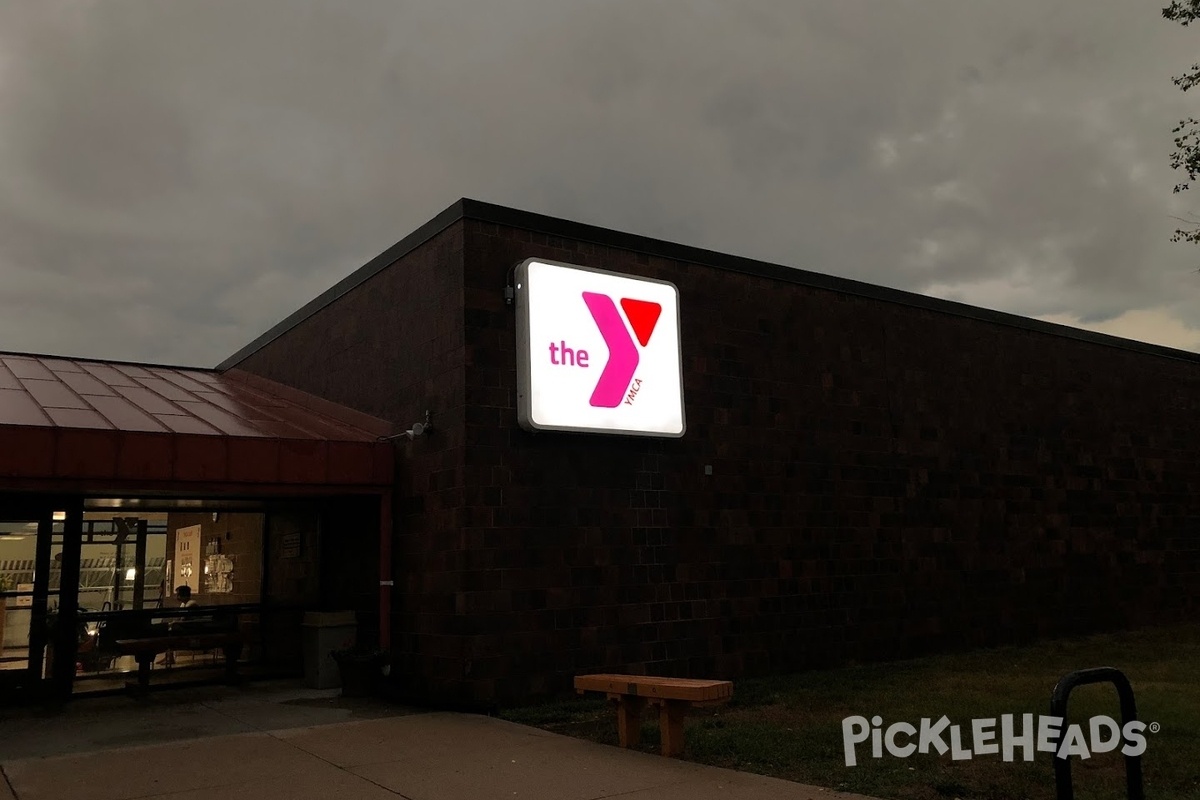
pixel 89 724
pixel 298 744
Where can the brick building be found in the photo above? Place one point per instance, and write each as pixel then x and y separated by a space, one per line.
pixel 866 473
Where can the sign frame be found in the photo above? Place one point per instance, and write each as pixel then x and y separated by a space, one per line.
pixel 524 366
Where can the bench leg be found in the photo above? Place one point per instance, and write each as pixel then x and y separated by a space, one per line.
pixel 629 720
pixel 670 726
pixel 232 654
pixel 144 663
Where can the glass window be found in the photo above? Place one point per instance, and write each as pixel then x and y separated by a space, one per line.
pixel 218 556
pixel 18 554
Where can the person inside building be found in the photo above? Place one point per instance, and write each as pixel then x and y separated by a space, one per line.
pixel 183 595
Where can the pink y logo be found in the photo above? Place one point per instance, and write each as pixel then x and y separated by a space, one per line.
pixel 623 355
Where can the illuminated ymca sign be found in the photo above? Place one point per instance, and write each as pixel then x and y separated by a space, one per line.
pixel 597 352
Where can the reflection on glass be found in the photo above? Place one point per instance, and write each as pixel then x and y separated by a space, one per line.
pixel 122 561
pixel 18 549
pixel 130 562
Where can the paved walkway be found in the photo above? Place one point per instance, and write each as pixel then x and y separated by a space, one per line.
pixel 315 746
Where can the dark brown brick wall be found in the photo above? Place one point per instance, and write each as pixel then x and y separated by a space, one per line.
pixel 886 481
pixel 394 347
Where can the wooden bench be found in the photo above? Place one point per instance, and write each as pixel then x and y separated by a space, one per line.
pixel 145 649
pixel 633 693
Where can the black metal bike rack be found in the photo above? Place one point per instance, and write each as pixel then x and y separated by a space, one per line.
pixel 1058 708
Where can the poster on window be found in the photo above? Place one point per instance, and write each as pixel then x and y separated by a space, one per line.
pixel 218 574
pixel 187 557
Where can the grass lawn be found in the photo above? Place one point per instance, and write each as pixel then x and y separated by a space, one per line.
pixel 790 726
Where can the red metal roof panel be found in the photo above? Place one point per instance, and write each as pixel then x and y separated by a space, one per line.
pixel 78 418
pixel 266 421
pixel 8 380
pixel 141 398
pixel 167 389
pixel 182 423
pixel 277 429
pixel 17 407
pixel 221 420
pixel 229 403
pixel 133 371
pixel 53 394
pixel 28 368
pixel 110 376
pixel 147 400
pixel 98 421
pixel 253 397
pixel 322 408
pixel 202 377
pixel 125 416
pixel 316 427
pixel 85 384
pixel 182 380
pixel 58 365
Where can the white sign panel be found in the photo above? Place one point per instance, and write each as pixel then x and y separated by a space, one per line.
pixel 597 352
pixel 187 557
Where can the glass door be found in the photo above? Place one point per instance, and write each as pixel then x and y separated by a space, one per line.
pixel 28 595
pixel 122 582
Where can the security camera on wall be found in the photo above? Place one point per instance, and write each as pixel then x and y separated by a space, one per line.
pixel 419 428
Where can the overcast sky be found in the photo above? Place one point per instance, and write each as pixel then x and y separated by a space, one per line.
pixel 176 177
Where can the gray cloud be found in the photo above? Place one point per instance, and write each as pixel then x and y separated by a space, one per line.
pixel 175 178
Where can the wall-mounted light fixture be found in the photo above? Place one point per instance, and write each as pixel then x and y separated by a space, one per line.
pixel 418 429
pixel 510 293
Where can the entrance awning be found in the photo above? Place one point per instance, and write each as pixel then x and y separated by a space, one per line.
pixel 82 425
